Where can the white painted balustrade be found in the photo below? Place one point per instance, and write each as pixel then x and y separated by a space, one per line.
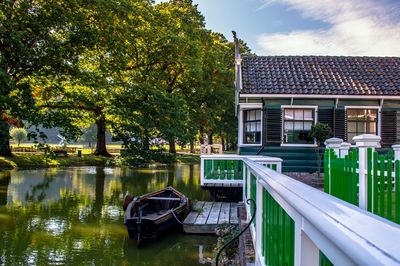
pixel 227 168
pixel 345 234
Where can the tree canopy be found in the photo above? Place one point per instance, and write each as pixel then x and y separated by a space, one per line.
pixel 140 69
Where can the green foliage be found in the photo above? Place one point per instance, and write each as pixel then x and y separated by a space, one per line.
pixel 225 233
pixel 18 134
pixel 28 161
pixel 142 70
pixel 320 132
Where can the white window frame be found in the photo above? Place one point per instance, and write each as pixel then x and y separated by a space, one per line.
pixel 283 107
pixel 249 106
pixel 378 116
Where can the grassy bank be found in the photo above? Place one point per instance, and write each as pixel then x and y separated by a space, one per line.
pixel 29 161
pixel 26 161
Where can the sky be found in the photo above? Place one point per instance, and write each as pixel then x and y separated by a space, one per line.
pixel 308 27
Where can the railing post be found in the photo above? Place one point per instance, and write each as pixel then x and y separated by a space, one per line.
pixel 332 143
pixel 344 149
pixel 279 167
pixel 244 179
pixel 202 171
pixel 363 142
pixel 309 251
pixel 259 222
pixel 396 150
pixel 248 192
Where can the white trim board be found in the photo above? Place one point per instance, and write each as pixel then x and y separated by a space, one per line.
pixel 249 106
pixel 321 96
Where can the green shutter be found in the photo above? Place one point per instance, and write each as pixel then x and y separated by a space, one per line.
pixel 273 125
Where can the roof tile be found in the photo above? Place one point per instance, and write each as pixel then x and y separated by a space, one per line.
pixel 324 75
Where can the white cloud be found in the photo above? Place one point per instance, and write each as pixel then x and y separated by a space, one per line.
pixel 357 27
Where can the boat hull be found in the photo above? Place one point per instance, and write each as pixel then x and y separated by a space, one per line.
pixel 155 214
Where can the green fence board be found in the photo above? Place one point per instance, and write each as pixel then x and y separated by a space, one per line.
pixel 323 260
pixel 278 233
pixel 383 185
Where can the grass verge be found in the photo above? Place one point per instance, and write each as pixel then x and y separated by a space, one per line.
pixel 27 161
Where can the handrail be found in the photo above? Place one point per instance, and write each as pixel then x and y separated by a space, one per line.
pixel 334 226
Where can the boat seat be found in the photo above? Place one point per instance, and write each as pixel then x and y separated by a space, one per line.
pixel 163 198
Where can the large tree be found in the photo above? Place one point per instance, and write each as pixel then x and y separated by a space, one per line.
pixel 101 70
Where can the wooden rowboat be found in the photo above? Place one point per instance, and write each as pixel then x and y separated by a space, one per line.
pixel 152 214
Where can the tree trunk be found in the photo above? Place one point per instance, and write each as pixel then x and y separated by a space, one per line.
pixel 201 137
pixel 223 142
pixel 192 150
pixel 210 137
pixel 101 148
pixel 146 140
pixel 5 148
pixel 172 145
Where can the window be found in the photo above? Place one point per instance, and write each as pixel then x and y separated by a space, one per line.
pixel 361 121
pixel 252 126
pixel 297 125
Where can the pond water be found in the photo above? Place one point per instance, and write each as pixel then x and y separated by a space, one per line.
pixel 73 216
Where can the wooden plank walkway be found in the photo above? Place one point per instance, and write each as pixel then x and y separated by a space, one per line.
pixel 206 216
pixel 219 185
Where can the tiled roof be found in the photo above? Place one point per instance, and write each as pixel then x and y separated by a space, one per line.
pixel 325 75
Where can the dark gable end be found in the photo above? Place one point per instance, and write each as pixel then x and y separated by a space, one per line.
pixel 324 75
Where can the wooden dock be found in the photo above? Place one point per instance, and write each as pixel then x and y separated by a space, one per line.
pixel 206 216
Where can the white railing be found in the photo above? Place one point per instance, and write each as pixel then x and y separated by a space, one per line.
pixel 227 168
pixel 344 233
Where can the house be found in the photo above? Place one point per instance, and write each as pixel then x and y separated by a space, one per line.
pixel 278 98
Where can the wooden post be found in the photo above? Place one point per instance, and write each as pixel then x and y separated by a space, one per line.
pixel 363 142
pixel 333 143
pixel 396 149
pixel 202 171
pixel 259 222
pixel 344 149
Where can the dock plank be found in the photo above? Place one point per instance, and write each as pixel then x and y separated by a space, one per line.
pixel 197 207
pixel 214 214
pixel 233 216
pixel 203 216
pixel 224 214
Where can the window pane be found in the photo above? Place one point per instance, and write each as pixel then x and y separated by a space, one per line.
pixel 371 128
pixel 288 126
pixel 361 121
pixel 289 114
pixel 352 127
pixel 258 115
pixel 361 128
pixel 298 114
pixel 308 114
pixel 298 125
pixel 297 131
pixel 307 125
pixel 352 114
pixel 350 136
pixel 252 126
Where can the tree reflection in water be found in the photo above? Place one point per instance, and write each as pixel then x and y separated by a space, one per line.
pixel 5 178
pixel 74 216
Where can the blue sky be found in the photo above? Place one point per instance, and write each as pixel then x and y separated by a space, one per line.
pixel 309 27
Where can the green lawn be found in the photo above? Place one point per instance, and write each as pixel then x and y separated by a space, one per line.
pixel 29 160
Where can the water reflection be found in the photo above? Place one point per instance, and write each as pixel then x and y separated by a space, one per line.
pixel 5 178
pixel 74 216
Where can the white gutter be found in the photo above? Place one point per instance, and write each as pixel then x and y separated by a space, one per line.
pixel 323 96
